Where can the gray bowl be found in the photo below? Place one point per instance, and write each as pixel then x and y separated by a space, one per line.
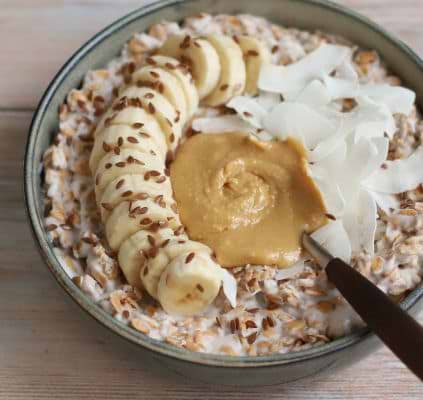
pixel 313 14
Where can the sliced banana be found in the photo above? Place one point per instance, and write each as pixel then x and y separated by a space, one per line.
pixel 132 216
pixel 165 83
pixel 155 265
pixel 180 71
pixel 201 57
pixel 159 107
pixel 128 161
pixel 124 112
pixel 233 73
pixel 134 187
pixel 143 139
pixel 133 251
pixel 256 54
pixel 189 284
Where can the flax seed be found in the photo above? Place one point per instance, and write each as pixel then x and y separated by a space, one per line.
pixel 151 240
pixel 165 243
pixel 153 252
pixel 107 206
pixel 141 196
pixel 200 288
pixel 330 216
pixel 252 338
pixel 106 147
pixel 132 139
pixel 189 258
pixel 120 183
pixel 151 108
pixel 232 326
pixel 51 227
pixel 252 53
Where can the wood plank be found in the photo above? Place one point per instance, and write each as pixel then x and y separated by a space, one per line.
pixel 49 349
pixel 38 36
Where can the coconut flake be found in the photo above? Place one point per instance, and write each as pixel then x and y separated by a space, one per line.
pixel 299 121
pixel 290 80
pixel 360 222
pixel 362 159
pixel 268 100
pixel 398 99
pixel 248 109
pixel 290 272
pixel 229 286
pixel 346 71
pixel 380 147
pixel 328 146
pixel 315 93
pixel 338 88
pixel 332 196
pixel 386 202
pixel 223 124
pixel 334 239
pixel 399 175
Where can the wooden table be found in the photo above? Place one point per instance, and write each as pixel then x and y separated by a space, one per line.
pixel 48 348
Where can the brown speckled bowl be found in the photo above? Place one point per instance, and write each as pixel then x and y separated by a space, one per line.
pixel 312 14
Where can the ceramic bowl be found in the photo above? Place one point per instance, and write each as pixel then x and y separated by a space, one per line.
pixel 313 14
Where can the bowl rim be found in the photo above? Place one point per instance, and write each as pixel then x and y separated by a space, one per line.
pixel 137 338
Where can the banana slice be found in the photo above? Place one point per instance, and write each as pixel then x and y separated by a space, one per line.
pixel 125 111
pixel 159 107
pixel 233 73
pixel 189 283
pixel 144 139
pixel 201 57
pixel 256 54
pixel 165 83
pixel 134 251
pixel 152 270
pixel 128 161
pixel 134 187
pixel 181 72
pixel 132 216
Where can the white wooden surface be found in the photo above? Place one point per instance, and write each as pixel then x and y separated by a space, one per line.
pixel 48 348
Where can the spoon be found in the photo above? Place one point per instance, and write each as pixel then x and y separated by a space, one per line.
pixel 398 330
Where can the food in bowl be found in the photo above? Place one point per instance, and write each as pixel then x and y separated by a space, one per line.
pixel 198 87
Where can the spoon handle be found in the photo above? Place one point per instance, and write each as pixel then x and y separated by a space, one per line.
pixel 399 331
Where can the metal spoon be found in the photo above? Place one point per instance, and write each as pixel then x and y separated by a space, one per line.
pixel 399 331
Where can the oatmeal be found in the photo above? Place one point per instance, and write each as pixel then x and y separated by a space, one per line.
pixel 303 308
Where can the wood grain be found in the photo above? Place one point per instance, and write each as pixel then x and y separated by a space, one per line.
pixel 49 349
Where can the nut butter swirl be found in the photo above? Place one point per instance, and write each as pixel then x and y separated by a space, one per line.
pixel 248 200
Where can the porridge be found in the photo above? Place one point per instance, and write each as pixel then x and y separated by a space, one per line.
pixel 120 235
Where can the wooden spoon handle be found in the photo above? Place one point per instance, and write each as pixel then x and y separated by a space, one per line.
pixel 399 331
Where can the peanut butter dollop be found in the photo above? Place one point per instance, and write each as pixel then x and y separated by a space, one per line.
pixel 246 199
